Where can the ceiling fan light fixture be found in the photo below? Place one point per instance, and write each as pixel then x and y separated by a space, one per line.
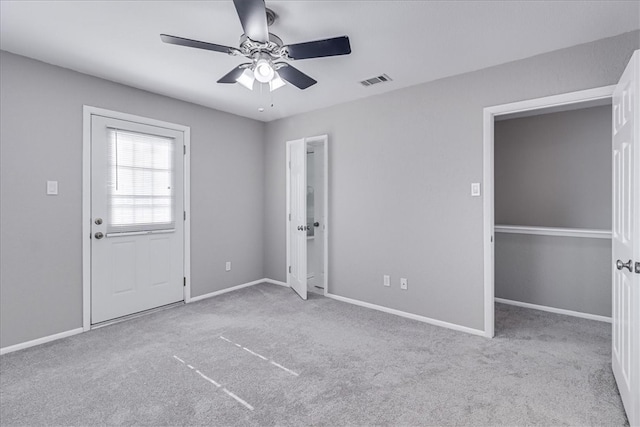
pixel 246 79
pixel 276 82
pixel 263 71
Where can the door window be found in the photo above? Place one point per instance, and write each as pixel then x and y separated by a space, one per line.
pixel 140 191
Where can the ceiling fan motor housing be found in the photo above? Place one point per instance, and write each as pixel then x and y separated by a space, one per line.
pixel 274 47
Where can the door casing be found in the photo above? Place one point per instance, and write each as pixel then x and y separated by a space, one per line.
pixel 89 111
pixel 322 140
pixel 549 103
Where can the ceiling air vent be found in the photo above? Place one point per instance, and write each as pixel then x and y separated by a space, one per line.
pixel 375 80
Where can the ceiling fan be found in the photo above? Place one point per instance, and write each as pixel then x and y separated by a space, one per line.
pixel 266 51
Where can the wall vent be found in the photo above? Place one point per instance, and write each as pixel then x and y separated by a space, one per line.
pixel 375 80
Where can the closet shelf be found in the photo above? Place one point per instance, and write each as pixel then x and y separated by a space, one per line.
pixel 554 231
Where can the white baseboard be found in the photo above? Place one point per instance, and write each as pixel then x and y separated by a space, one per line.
pixel 409 315
pixel 27 344
pixel 555 310
pixel 275 282
pixel 235 288
pixel 224 291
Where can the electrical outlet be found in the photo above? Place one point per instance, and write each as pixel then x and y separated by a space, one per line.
pixel 404 284
pixel 227 266
pixel 52 188
pixel 386 280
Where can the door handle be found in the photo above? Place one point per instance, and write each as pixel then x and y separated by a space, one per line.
pixel 99 235
pixel 316 224
pixel 620 265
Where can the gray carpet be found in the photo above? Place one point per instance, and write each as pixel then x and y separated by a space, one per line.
pixel 354 366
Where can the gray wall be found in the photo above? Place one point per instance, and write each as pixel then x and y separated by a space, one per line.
pixel 40 236
pixel 554 170
pixel 400 168
pixel 562 272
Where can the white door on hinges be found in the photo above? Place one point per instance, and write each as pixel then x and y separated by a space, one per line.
pixel 137 228
pixel 626 239
pixel 297 224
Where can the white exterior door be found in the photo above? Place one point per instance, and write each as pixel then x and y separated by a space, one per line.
pixel 626 239
pixel 137 228
pixel 297 273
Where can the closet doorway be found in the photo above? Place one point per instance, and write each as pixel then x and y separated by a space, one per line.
pixel 597 233
pixel 307 214
pixel 552 207
pixel 316 218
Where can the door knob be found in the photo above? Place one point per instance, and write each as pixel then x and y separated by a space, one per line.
pixel 98 221
pixel 620 265
pixel 99 235
pixel 299 228
pixel 316 224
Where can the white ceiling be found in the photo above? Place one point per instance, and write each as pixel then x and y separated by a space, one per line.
pixel 411 41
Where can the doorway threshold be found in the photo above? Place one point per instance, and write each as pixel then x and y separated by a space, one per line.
pixel 135 315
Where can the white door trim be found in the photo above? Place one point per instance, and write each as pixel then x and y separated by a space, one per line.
pixel 489 114
pixel 318 140
pixel 87 112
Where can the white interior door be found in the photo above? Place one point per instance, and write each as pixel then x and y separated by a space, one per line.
pixel 626 239
pixel 297 273
pixel 137 237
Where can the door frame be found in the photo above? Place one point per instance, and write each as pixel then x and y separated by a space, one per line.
pixel 552 103
pixel 318 140
pixel 87 112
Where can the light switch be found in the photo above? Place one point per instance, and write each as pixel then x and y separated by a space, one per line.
pixel 475 189
pixel 52 188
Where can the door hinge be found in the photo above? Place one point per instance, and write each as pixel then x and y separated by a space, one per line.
pixel 289 217
pixel 184 281
pixel 184 215
pixel 184 149
pixel 289 269
pixel 638 267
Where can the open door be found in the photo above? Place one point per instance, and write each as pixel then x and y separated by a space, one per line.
pixel 297 224
pixel 626 239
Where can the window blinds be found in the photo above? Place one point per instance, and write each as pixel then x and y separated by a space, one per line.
pixel 140 184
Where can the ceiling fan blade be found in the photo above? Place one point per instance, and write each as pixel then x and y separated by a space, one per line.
pixel 295 76
pixel 181 41
pixel 233 75
pixel 253 17
pixel 320 48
